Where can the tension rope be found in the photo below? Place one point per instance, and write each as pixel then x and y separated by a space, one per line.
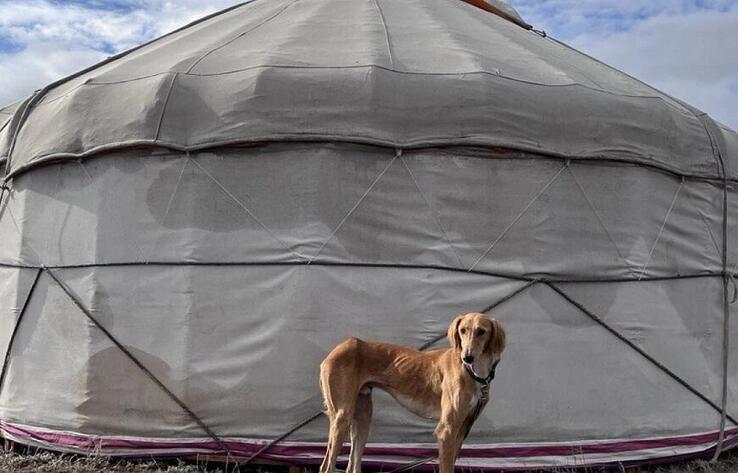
pixel 423 347
pixel 727 278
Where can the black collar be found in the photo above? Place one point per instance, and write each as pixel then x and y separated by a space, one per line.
pixel 483 381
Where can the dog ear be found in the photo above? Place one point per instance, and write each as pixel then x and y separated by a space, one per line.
pixel 497 339
pixel 453 333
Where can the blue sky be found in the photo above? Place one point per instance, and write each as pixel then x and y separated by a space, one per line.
pixel 684 47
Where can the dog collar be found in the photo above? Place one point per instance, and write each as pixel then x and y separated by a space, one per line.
pixel 483 381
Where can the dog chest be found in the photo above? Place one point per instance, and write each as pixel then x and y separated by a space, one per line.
pixel 418 405
pixel 476 396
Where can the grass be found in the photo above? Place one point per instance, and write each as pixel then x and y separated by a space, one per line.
pixel 43 461
pixel 728 465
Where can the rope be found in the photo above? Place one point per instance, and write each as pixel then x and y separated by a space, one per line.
pixel 661 230
pixel 15 223
pixel 520 215
pixel 521 152
pixel 386 34
pixel 347 264
pixel 717 154
pixel 522 288
pixel 25 109
pixel 169 206
pixel 485 394
pixel 3 203
pixel 435 217
pixel 599 219
pixel 175 75
pixel 15 328
pixel 240 35
pixel 275 441
pixel 726 351
pixel 138 363
pixel 727 278
pixel 423 347
pixel 244 208
pixel 398 153
pixel 42 268
pixel 712 236
pixel 413 465
pixel 638 349
pixel 84 168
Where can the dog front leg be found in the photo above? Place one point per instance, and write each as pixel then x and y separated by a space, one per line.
pixel 449 441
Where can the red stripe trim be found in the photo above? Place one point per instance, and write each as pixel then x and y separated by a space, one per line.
pixel 293 450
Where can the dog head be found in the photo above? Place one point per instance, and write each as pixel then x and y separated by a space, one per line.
pixel 477 339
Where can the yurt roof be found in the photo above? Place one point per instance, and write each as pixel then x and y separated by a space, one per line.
pixel 400 74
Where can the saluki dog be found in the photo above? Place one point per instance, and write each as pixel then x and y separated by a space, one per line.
pixel 447 385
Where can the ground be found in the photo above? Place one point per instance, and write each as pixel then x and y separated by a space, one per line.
pixel 46 462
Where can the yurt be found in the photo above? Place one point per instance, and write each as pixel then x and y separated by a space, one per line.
pixel 190 226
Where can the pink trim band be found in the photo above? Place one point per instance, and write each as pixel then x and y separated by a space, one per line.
pixel 488 457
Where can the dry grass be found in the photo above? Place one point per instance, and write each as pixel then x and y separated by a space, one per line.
pixel 728 464
pixel 47 462
pixel 42 461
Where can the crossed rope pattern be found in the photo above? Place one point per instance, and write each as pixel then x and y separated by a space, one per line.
pixel 28 104
pixel 4 206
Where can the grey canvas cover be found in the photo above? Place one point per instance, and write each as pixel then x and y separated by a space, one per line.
pixel 189 227
pixel 441 72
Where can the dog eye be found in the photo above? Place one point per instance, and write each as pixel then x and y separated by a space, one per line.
pixel 480 332
pixel 463 331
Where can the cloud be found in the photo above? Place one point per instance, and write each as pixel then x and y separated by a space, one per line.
pixel 35 22
pixel 38 65
pixel 42 41
pixel 685 55
pixel 569 18
pixel 681 47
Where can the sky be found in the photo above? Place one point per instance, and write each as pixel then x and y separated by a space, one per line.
pixel 686 48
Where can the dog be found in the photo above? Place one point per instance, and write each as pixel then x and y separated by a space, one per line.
pixel 450 385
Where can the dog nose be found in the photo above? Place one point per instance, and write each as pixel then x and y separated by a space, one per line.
pixel 468 359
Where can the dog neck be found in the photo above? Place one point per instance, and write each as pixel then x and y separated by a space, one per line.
pixel 479 379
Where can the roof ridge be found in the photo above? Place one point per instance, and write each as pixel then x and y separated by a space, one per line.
pixel 494 7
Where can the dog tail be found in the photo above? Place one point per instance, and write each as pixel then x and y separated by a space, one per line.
pixel 333 372
pixel 325 388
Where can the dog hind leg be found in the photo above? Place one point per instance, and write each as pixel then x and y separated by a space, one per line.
pixel 340 393
pixel 360 429
pixel 340 382
pixel 340 424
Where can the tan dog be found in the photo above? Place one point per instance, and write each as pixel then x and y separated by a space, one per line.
pixel 438 384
